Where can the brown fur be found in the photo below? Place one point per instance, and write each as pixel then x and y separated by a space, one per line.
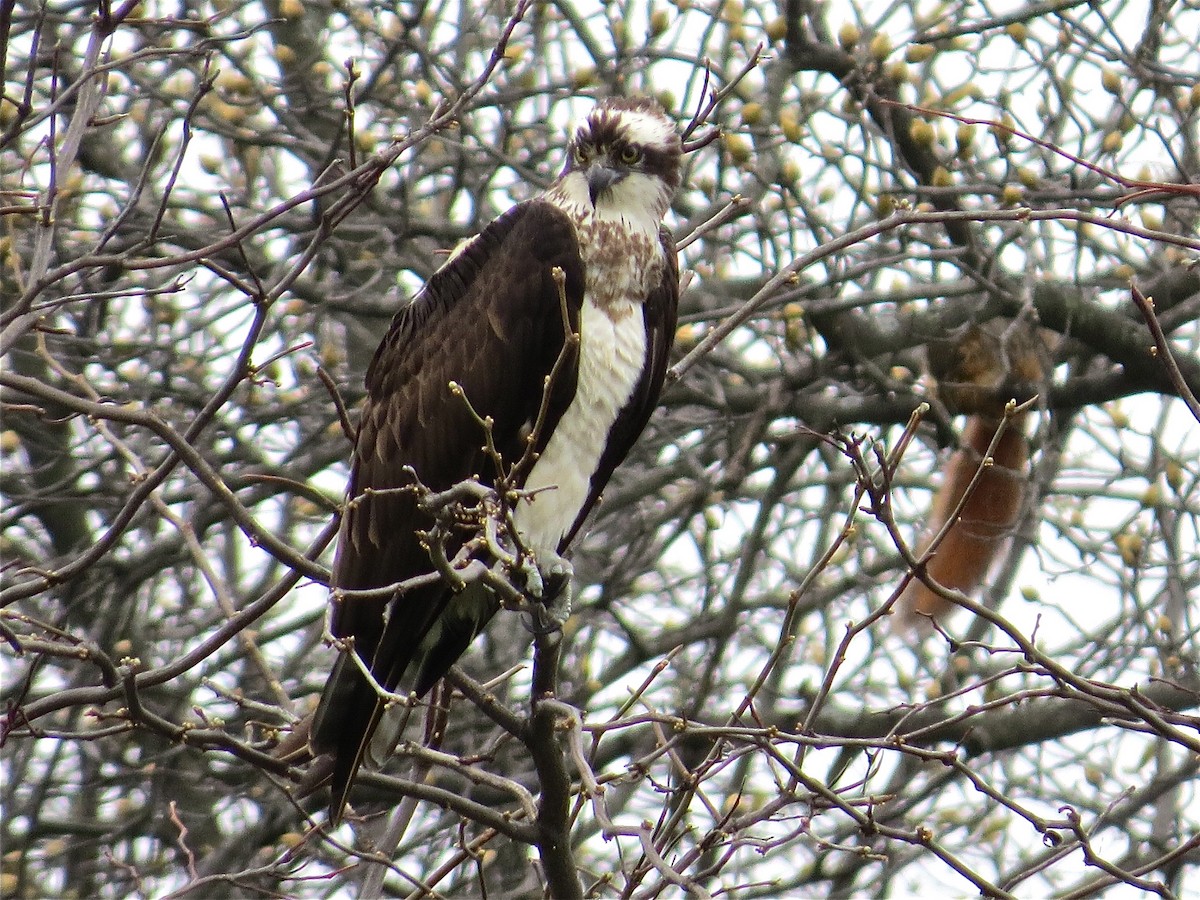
pixel 962 559
pixel 979 370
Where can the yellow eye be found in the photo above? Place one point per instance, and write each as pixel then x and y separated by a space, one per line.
pixel 630 155
pixel 581 155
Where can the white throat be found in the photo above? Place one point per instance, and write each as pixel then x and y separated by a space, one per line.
pixel 636 204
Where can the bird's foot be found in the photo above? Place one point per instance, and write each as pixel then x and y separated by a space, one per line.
pixel 557 573
pixel 543 577
pixel 548 582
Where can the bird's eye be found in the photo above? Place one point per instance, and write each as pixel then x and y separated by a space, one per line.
pixel 581 155
pixel 630 155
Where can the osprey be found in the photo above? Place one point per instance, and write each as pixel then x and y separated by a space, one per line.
pixel 491 321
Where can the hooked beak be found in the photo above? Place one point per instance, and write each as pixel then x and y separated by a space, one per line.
pixel 600 178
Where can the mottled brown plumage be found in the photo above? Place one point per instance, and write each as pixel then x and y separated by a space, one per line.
pixel 491 320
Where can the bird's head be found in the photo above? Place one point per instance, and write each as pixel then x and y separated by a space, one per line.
pixel 627 152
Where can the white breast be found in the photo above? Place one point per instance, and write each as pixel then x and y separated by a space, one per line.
pixel 621 253
pixel 612 352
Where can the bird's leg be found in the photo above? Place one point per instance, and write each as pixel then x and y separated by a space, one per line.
pixel 549 615
pixel 542 577
pixel 557 574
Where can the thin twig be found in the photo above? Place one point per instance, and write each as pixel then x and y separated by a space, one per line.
pixel 1162 350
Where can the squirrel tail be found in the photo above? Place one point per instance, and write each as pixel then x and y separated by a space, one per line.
pixel 962 559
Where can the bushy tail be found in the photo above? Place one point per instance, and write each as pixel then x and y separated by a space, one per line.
pixel 962 559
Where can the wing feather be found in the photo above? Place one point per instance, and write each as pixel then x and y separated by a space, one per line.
pixel 491 321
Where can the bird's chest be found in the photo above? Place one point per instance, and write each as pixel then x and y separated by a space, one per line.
pixel 620 263
pixel 612 354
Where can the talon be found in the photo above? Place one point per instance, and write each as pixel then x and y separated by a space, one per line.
pixel 540 623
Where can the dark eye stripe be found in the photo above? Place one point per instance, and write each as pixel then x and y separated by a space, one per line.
pixel 663 163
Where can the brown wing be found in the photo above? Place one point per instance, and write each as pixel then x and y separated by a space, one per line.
pixel 491 321
pixel 660 312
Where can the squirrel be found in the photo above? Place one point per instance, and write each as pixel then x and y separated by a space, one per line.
pixel 978 370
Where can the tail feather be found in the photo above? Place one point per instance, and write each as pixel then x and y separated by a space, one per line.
pixel 342 726
pixel 351 708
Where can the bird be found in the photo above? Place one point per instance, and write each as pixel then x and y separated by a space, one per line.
pixel 586 276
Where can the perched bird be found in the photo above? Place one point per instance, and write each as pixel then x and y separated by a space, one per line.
pixel 491 321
